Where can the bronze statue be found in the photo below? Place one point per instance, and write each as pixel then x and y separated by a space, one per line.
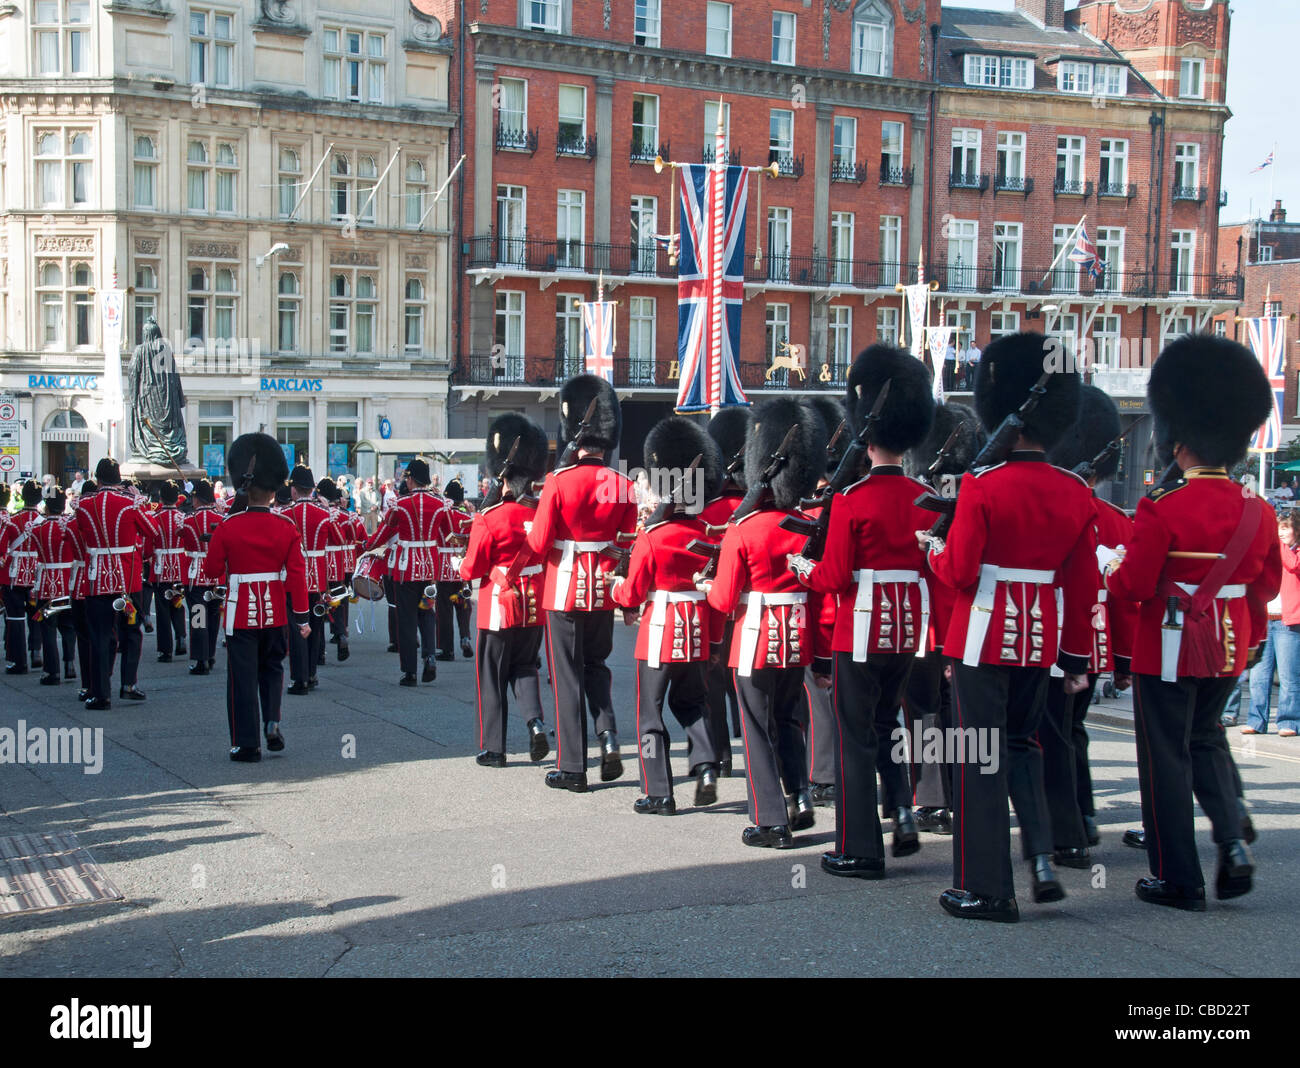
pixel 156 428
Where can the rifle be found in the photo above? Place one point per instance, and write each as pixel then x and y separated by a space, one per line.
pixel 845 475
pixel 667 508
pixel 1087 469
pixel 499 483
pixel 936 501
pixel 584 426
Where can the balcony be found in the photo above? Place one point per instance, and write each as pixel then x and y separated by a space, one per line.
pixel 707 156
pixel 1223 198
pixel 647 151
pixel 788 166
pixel 1008 183
pixel 1118 190
pixel 1070 281
pixel 554 369
pixel 968 180
pixel 1197 194
pixel 516 140
pixel 821 272
pixel 844 171
pixel 575 144
pixel 900 176
pixel 1068 187
pixel 537 255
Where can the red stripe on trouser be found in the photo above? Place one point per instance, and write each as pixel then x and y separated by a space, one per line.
pixel 961 868
pixel 478 689
pixel 744 738
pixel 640 748
pixel 843 807
pixel 1151 786
pixel 230 694
pixel 555 693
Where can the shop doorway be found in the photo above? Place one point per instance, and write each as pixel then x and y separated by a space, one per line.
pixel 65 446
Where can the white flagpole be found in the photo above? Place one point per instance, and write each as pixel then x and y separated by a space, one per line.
pixel 438 195
pixel 1067 248
pixel 312 180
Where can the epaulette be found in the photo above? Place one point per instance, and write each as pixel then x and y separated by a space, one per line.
pixel 743 518
pixel 979 472
pixel 1165 489
pixel 1115 507
pixel 1078 478
pixel 854 485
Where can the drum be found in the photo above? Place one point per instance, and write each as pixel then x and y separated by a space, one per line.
pixel 368 579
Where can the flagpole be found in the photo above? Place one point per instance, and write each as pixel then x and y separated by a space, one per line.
pixel 1065 249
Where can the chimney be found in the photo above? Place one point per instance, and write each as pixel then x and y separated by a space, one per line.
pixel 1278 214
pixel 1049 13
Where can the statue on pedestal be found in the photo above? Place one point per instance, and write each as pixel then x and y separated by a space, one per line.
pixel 156 425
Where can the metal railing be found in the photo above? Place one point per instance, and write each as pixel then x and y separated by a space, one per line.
pixel 843 171
pixel 1070 279
pixel 968 180
pixel 1117 189
pixel 904 176
pixel 789 166
pixel 541 255
pixel 707 155
pixel 1009 183
pixel 571 144
pixel 510 140
pixel 1198 194
pixel 645 152
pixel 1067 187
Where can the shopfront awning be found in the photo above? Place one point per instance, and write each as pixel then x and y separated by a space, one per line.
pixel 444 450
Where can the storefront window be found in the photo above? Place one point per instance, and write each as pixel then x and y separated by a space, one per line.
pixel 341 438
pixel 293 430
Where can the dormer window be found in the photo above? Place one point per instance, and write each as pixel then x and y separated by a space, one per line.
pixel 999 72
pixel 1097 79
pixel 873 38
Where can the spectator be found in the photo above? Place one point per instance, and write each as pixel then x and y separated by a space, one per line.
pixel 1282 645
pixel 970 360
pixel 950 367
pixel 78 481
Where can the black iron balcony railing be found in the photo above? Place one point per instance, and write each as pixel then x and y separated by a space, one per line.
pixel 646 151
pixel 707 155
pixel 1198 194
pixel 1223 198
pixel 844 171
pixel 1117 189
pixel 536 370
pixel 510 139
pixel 1069 279
pixel 968 180
pixel 1072 187
pixel 570 143
pixel 821 272
pixel 789 166
pixel 1011 183
pixel 540 255
pixel 903 176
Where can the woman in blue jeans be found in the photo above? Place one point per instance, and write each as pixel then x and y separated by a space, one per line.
pixel 1282 647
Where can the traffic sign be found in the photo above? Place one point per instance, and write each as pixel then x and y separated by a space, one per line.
pixel 7 411
pixel 8 461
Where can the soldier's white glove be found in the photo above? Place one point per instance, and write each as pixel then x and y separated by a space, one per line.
pixel 929 542
pixel 455 562
pixel 800 565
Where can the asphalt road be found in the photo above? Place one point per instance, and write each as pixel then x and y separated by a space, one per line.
pixel 374 846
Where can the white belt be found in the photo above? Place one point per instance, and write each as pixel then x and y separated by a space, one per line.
pixel 661 599
pixel 449 548
pixel 981 609
pixel 313 553
pixel 232 591
pixel 95 554
pixel 564 572
pixel 60 567
pixel 753 623
pixel 864 605
pixel 494 602
pixel 1171 637
pixel 196 565
pixel 407 546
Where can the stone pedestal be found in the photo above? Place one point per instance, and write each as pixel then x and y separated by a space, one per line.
pixel 141 471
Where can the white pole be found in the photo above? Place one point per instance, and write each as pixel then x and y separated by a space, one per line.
pixel 438 195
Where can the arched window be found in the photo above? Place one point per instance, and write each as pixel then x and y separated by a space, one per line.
pixel 873 38
pixel 367 174
pixel 145 172
pixel 417 192
pixel 290 303
pixel 65 419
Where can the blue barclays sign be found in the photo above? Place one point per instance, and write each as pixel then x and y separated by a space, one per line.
pixel 292 385
pixel 68 382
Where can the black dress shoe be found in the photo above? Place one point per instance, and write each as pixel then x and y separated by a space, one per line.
pixel 539 745
pixel 853 867
pixel 407 680
pixel 1090 829
pixel 274 739
pixel 334 639
pixel 768 837
pixel 1159 892
pixel 69 671
pixel 445 657
pixel 567 780
pixel 466 650
pixel 1072 857
pixel 83 695
pixel 430 671
pixel 934 820
pixel 15 669
pixel 344 651
pixel 1247 827
pixel 611 764
pixel 130 693
pixel 969 906
pixel 98 704
pixel 199 669
pixel 392 648
pixel 1236 870
pixel 489 759
pixel 313 682
pixel 181 650
pixel 298 689
pixel 799 810
pixel 164 658
pixel 1046 886
pixel 320 660
pixel 706 785
pixel 1135 837
pixel 655 806
pixel 724 769
pixel 49 680
pixel 823 794
pixel 906 840
pixel 245 754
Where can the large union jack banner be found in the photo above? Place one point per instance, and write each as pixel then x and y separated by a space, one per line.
pixel 711 286
pixel 598 338
pixel 1267 340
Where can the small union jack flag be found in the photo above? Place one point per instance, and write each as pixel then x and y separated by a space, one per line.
pixel 1085 254
pixel 1267 340
pixel 1267 163
pixel 598 338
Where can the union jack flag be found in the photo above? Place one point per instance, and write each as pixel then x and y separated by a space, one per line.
pixel 710 286
pixel 1267 163
pixel 598 338
pixel 1085 253
pixel 1267 340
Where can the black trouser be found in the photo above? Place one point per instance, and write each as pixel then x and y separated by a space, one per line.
pixel 1056 740
pixel 949 375
pixel 304 653
pixel 416 627
pixel 390 597
pixel 866 715
pixel 52 627
pixel 205 625
pixel 1079 733
pixel 507 663
pixel 446 610
pixel 821 730
pixel 254 678
pixel 16 619
pixel 722 692
pixel 686 689
pixel 927 705
pixel 104 624
pixel 577 645
pixel 82 627
pixel 169 620
pixel 1180 746
pixel 771 702
pixel 1006 702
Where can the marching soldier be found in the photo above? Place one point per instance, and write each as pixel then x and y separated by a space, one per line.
pixel 340 559
pixel 258 556
pixel 168 573
pixel 318 536
pixel 204 605
pixel 453 597
pixel 19 555
pixel 673 641
pixel 509 614
pixel 1023 530
pixel 415 526
pixel 59 556
pixel 875 567
pixel 115 532
pixel 584 508
pixel 78 610
pixel 784 457
pixel 1203 561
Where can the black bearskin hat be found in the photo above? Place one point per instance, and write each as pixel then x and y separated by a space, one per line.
pixel 1210 395
pixel 203 491
pixel 1096 427
pixel 326 489
pixel 832 413
pixel 729 428
pixel 168 492
pixel 31 494
pixel 55 501
pixel 806 454
pixel 909 408
pixel 417 471
pixel 606 423
pixel 302 478
pixel 454 491
pixel 270 468
pixel 948 417
pixel 672 444
pixel 283 495
pixel 107 472
pixel 530 458
pixel 1009 369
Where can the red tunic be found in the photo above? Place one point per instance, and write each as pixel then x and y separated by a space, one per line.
pixel 1199 515
pixel 202 521
pixel 258 556
pixel 1023 530
pixel 117 535
pixel 59 555
pixel 169 560
pixel 1114 620
pixel 583 508
pixel 339 555
pixel 496 537
pixel 318 534
pixel 415 526
pixel 720 509
pixel 18 550
pixel 454 539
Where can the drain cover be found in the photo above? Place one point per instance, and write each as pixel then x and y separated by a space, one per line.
pixel 49 871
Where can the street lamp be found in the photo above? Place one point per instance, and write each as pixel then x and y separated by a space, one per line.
pixel 279 246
